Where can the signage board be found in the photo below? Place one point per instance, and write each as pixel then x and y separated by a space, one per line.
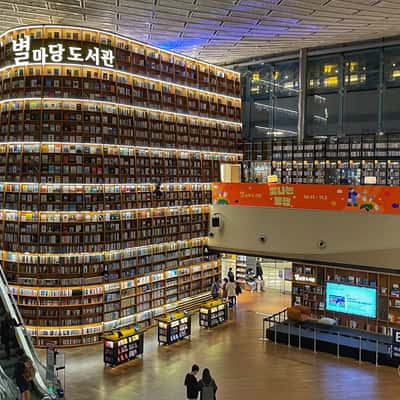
pixel 58 53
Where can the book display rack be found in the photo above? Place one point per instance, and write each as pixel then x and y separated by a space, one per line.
pixel 241 269
pixel 108 150
pixel 334 161
pixel 123 346
pixel 174 327
pixel 213 313
pixel 309 289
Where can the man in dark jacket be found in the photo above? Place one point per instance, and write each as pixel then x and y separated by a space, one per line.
pixel 192 386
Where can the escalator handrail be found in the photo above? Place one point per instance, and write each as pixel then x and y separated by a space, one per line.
pixel 24 338
pixel 7 386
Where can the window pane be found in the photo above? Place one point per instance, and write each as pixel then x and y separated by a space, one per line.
pixel 392 66
pixel 286 79
pixel 323 73
pixel 322 114
pixel 286 116
pixel 391 110
pixel 360 112
pixel 361 70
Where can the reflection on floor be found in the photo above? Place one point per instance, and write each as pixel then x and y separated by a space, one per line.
pixel 243 366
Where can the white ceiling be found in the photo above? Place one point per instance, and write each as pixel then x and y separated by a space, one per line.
pixel 219 31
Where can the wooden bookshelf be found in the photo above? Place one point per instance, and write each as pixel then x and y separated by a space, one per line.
pixel 329 160
pixel 309 285
pixel 130 56
pixel 106 167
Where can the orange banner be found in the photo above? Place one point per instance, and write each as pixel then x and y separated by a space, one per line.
pixel 370 199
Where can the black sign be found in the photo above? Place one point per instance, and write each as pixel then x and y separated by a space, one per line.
pixel 396 343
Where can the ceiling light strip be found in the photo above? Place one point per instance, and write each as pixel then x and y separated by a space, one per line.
pixel 143 187
pixel 94 145
pixel 180 210
pixel 102 256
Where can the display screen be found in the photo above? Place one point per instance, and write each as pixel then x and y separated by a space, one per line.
pixel 351 299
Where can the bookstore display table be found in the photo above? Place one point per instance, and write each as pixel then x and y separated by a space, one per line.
pixel 213 313
pixel 173 327
pixel 123 345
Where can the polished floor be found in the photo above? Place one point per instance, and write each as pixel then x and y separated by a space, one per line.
pixel 243 366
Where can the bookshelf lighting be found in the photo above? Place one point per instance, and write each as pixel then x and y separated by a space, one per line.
pixel 108 150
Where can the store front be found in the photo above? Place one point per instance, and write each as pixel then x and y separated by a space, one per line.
pixel 277 274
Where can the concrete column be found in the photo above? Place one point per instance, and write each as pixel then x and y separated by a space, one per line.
pixel 302 94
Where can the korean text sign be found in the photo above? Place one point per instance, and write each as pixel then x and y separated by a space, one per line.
pixel 58 53
pixel 367 198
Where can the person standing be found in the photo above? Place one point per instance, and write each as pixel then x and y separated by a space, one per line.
pixel 24 373
pixel 238 289
pixel 231 276
pixel 192 386
pixel 215 288
pixel 224 291
pixel 207 385
pixel 259 271
pixel 7 332
pixel 231 293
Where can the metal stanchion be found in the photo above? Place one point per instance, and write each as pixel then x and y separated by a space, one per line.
pixel 338 346
pixel 289 335
pixel 315 340
pixel 359 350
pixel 275 332
pixel 264 335
pixel 376 353
pixel 299 337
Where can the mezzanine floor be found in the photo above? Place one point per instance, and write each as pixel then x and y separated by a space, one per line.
pixel 244 367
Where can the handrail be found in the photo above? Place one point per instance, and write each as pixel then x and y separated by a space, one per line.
pixel 24 339
pixel 296 331
pixel 8 389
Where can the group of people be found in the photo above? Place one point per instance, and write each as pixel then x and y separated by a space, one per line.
pixel 24 371
pixel 206 386
pixel 229 289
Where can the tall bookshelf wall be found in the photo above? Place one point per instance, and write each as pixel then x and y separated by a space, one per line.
pixel 322 160
pixel 105 179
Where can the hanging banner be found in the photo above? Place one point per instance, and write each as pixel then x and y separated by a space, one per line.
pixel 365 199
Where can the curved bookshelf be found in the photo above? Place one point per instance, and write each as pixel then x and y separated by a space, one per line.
pixel 106 165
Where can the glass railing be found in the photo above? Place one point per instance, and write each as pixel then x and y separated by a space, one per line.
pixel 8 389
pixel 45 381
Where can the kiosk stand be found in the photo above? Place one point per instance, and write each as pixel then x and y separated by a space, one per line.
pixel 123 345
pixel 173 327
pixel 213 313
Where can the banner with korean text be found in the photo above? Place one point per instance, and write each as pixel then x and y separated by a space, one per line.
pixel 368 199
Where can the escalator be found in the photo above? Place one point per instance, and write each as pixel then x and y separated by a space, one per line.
pixel 45 383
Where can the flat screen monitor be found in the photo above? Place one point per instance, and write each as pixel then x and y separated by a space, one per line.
pixel 349 299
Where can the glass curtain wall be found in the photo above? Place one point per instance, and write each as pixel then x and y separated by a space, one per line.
pixel 348 93
pixel 273 94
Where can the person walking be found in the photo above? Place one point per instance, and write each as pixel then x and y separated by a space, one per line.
pixel 231 293
pixel 208 387
pixel 231 276
pixel 192 386
pixel 215 288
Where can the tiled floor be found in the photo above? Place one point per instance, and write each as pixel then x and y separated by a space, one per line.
pixel 244 367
